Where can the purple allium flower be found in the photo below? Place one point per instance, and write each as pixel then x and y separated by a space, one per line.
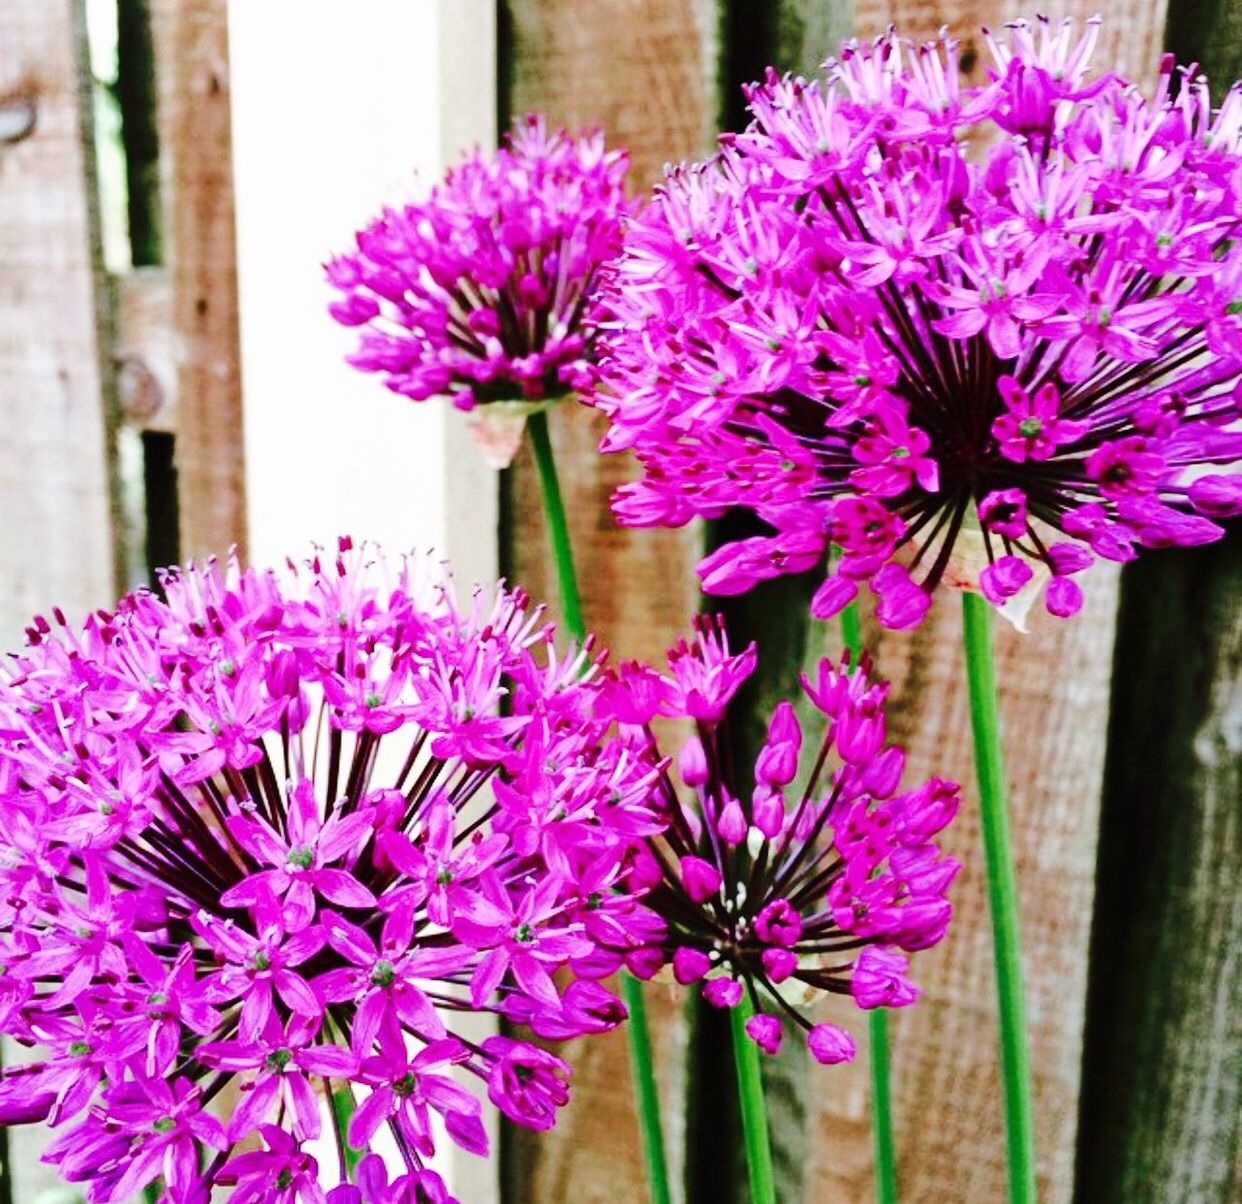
pixel 373 1187
pixel 275 831
pixel 478 292
pixel 820 879
pixel 978 336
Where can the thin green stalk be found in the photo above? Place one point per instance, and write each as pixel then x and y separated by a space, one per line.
pixel 1002 897
pixel 882 1109
pixel 641 1064
pixel 343 1106
pixel 851 632
pixel 877 1019
pixel 754 1113
pixel 646 1096
pixel 558 526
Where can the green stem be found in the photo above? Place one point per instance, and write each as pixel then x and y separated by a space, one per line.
pixel 1002 897
pixel 641 1065
pixel 558 525
pixel 882 1109
pixel 851 632
pixel 754 1113
pixel 646 1095
pixel 877 1019
pixel 343 1106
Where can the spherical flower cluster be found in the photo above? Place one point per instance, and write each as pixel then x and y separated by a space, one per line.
pixel 274 832
pixel 478 292
pixel 820 881
pixel 974 335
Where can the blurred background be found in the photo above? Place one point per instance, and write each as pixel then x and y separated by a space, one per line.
pixel 173 173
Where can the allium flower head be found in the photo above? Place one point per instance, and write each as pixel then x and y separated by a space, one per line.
pixel 977 335
pixel 821 880
pixel 478 291
pixel 277 831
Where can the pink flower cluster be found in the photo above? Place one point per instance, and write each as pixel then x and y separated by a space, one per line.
pixel 479 291
pixel 819 879
pixel 985 333
pixel 271 834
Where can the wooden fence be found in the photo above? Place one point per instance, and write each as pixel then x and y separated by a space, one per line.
pixel 1124 727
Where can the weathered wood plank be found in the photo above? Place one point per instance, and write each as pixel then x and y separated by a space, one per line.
pixel 1162 1085
pixel 190 38
pixel 56 495
pixel 644 70
pixel 56 537
pixel 145 350
pixel 1162 1067
pixel 1131 38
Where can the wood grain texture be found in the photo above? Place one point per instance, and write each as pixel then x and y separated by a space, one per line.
pixel 808 31
pixel 192 86
pixel 145 350
pixel 643 70
pixel 1131 38
pixel 56 536
pixel 1162 1091
pixel 56 496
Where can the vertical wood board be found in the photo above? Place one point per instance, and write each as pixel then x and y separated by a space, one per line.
pixel 56 536
pixel 56 531
pixel 190 39
pixel 1162 1092
pixel 1131 37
